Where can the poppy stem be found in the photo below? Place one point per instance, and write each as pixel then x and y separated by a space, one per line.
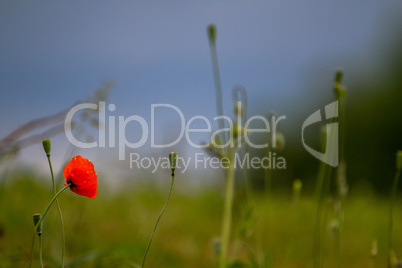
pixel 44 214
pixel 157 221
pixel 40 250
pixel 51 202
pixel 63 245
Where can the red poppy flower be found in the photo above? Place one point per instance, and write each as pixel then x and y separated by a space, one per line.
pixel 81 176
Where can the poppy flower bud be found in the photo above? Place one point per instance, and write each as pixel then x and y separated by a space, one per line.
pixel 338 76
pixel 36 219
pixel 279 141
pixel 173 160
pixel 340 91
pixel 237 130
pixel 47 146
pixel 238 109
pixel 211 33
pixel 399 160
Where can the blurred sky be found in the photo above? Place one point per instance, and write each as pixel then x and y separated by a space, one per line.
pixel 54 53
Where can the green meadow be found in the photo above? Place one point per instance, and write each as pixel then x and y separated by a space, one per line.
pixel 113 229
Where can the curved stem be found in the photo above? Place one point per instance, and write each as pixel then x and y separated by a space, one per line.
pixel 60 214
pixel 157 221
pixel 50 204
pixel 43 216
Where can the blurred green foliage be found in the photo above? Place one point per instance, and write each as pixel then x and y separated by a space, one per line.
pixel 113 229
pixel 373 119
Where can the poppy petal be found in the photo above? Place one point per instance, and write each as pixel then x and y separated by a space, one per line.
pixel 81 176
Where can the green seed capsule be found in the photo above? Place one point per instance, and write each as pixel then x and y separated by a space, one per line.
pixel 36 219
pixel 339 76
pixel 237 130
pixel 212 33
pixel 238 109
pixel 46 146
pixel 279 141
pixel 173 160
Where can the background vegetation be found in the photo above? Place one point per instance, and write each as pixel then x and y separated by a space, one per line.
pixel 113 229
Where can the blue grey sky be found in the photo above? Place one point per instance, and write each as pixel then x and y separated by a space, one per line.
pixel 53 53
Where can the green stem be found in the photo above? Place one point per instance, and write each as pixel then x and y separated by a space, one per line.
pixel 391 208
pixel 249 189
pixel 43 216
pixel 218 87
pixel 227 213
pixel 157 221
pixel 268 199
pixel 40 250
pixel 50 204
pixel 63 245
pixel 268 179
pixel 340 93
pixel 317 225
pixel 323 186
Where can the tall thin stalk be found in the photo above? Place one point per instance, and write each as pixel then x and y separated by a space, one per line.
pixel 227 211
pixel 240 101
pixel 44 214
pixel 36 218
pixel 217 78
pixel 229 153
pixel 321 191
pixel 342 188
pixel 325 173
pixel 172 157
pixel 40 251
pixel 47 147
